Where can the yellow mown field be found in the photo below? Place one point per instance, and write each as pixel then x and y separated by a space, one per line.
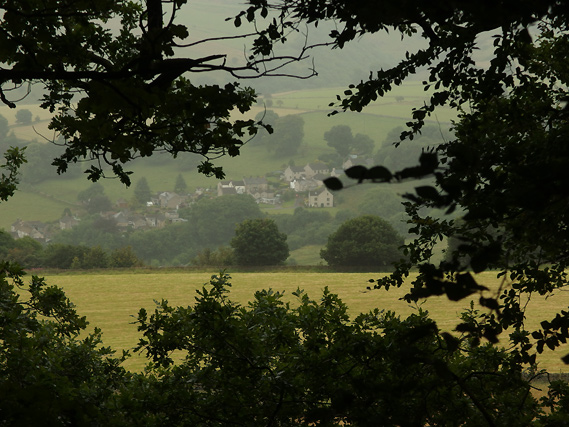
pixel 111 300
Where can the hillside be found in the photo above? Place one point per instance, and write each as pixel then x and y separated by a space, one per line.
pixel 46 200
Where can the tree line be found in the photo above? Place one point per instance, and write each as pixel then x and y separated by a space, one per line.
pixel 29 253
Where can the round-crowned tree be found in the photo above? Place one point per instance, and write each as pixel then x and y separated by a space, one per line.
pixel 363 241
pixel 259 242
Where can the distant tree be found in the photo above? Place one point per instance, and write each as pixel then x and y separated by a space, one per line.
pixel 221 257
pixel 180 187
pixel 98 203
pixel 333 160
pixel 363 241
pixel 211 222
pixel 362 145
pixel 58 255
pixel 270 118
pixel 288 135
pixel 3 128
pixel 27 252
pixel 259 242
pixel 124 258
pixel 24 117
pixel 94 199
pixel 396 157
pixel 142 193
pixel 381 202
pixel 93 190
pixel 306 227
pixel 340 138
pixel 94 257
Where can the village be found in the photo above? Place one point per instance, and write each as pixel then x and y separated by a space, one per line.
pixel 305 182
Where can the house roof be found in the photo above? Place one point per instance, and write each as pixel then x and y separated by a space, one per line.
pixel 228 190
pixel 320 176
pixel 318 166
pixel 296 168
pixel 320 190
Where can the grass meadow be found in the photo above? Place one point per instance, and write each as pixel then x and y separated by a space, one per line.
pixel 109 300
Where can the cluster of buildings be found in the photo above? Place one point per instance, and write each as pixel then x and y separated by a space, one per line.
pixel 161 210
pixel 307 181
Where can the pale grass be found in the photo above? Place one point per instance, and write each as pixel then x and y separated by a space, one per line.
pixel 111 301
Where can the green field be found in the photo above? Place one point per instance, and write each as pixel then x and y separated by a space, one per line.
pixel 110 300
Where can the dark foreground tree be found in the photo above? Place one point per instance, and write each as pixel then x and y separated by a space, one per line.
pixel 364 241
pixel 271 363
pixel 115 73
pixel 259 242
pixel 505 168
pixel 52 372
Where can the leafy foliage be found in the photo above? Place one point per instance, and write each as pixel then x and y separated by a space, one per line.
pixel 363 241
pixel 52 372
pixel 259 242
pixel 180 187
pixel 8 182
pixel 112 73
pixel 271 362
pixel 505 165
pixel 341 139
pixel 142 193
pixel 285 135
pixel 306 227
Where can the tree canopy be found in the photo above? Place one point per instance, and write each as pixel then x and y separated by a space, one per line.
pixel 503 168
pixel 259 242
pixel 341 139
pixel 363 241
pixel 215 219
pixel 142 193
pixel 118 86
